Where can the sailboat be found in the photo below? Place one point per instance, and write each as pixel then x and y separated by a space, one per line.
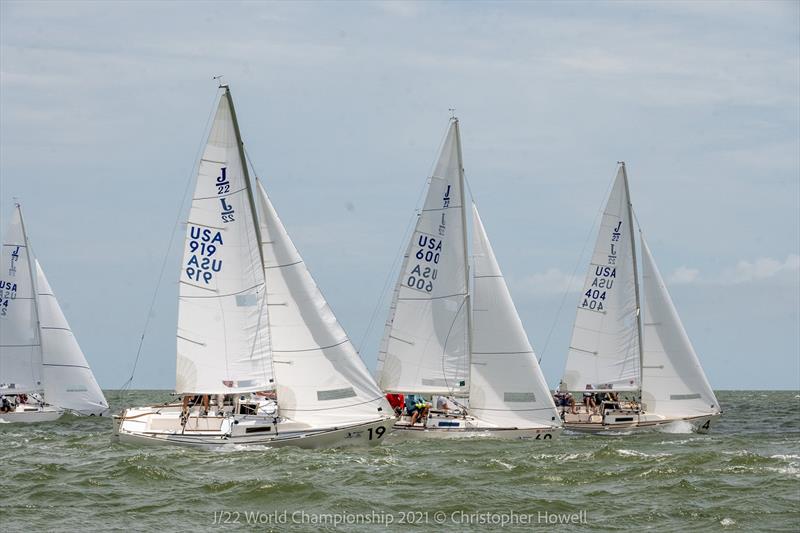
pixel 256 340
pixel 464 341
pixel 43 372
pixel 634 357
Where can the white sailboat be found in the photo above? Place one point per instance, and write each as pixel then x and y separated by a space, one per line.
pixel 447 337
pixel 621 347
pixel 43 372
pixel 255 335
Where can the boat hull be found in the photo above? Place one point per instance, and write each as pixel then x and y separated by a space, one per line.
pixel 447 426
pixel 697 424
pixel 213 433
pixel 30 415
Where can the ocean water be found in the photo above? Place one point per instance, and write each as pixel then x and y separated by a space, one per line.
pixel 743 476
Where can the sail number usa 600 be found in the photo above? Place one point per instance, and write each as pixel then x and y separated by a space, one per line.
pixel 425 270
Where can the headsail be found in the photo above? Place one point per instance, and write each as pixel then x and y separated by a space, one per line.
pixel 20 342
pixel 507 388
pixel 426 343
pixel 223 334
pixel 68 380
pixel 604 350
pixel 321 380
pixel 673 381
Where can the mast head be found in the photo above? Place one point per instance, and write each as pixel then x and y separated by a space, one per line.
pixel 221 85
pixel 453 116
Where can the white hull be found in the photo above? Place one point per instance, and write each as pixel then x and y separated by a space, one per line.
pixel 440 426
pixel 162 426
pixel 28 414
pixel 640 422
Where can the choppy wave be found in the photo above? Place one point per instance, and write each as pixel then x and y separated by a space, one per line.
pixel 743 475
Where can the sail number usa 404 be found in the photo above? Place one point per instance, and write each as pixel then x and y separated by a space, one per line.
pixel 424 270
pixel 203 244
pixel 594 297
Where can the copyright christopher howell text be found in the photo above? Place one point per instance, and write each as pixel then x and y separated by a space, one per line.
pixel 484 518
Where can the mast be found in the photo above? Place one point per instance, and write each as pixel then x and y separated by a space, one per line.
pixel 635 278
pixel 464 244
pixel 34 290
pixel 240 147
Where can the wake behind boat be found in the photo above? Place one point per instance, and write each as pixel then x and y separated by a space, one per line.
pixel 43 372
pixel 458 340
pixel 632 365
pixel 259 350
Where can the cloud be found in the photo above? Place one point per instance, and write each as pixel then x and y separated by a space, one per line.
pixel 684 275
pixel 552 281
pixel 744 271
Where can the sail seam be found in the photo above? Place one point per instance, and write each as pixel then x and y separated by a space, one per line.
pixel 432 298
pixel 59 364
pixel 221 196
pixel 312 349
pixel 286 265
pixel 222 295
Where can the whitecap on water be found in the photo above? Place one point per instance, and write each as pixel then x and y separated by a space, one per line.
pixel 725 522
pixel 635 453
pixel 678 426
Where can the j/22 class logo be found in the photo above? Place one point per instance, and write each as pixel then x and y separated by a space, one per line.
pixel 224 187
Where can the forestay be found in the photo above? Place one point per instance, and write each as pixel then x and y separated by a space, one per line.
pixel 604 350
pixel 321 380
pixel 507 387
pixel 222 337
pixel 68 381
pixel 673 380
pixel 426 341
pixel 20 343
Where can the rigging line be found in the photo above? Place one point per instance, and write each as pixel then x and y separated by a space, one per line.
pixel 265 304
pixel 575 270
pixel 396 265
pixel 176 224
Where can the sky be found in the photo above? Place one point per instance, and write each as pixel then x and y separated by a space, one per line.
pixel 343 106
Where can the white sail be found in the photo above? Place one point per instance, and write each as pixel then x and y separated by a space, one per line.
pixel 68 380
pixel 426 342
pixel 507 388
pixel 222 337
pixel 20 342
pixel 604 350
pixel 673 381
pixel 321 380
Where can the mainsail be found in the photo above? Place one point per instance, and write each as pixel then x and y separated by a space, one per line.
pixel 673 381
pixel 426 345
pixel 20 342
pixel 223 333
pixel 68 381
pixel 321 380
pixel 604 350
pixel 507 387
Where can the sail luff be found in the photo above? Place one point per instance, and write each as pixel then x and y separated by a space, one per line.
pixel 464 222
pixel 34 287
pixel 247 182
pixel 635 275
